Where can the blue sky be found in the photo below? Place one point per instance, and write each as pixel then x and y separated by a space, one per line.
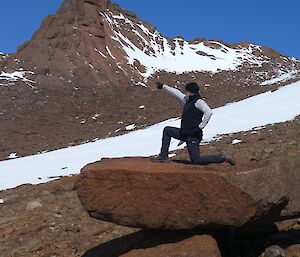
pixel 272 23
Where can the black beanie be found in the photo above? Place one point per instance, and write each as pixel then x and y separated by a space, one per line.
pixel 192 87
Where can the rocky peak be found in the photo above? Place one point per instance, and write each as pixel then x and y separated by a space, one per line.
pixel 77 4
pixel 84 11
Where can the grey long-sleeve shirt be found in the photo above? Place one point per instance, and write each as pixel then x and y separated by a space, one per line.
pixel 200 104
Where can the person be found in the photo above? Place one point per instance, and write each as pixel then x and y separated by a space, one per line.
pixel 195 116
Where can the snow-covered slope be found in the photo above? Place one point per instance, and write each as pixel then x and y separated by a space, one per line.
pixel 266 108
pixel 149 49
pixel 282 77
pixel 155 52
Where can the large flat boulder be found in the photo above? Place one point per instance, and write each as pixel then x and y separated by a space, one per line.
pixel 136 192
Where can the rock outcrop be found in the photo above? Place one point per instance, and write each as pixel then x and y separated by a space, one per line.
pixel 136 192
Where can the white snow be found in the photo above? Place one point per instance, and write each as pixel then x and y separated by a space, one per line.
pixel 282 77
pixel 156 53
pixel 96 116
pixel 236 141
pixel 13 156
pixel 140 84
pixel 109 52
pixel 130 127
pixel 11 78
pixel 1 201
pixel 258 111
pixel 3 55
pixel 259 127
pixel 102 54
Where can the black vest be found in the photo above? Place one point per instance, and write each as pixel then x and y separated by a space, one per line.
pixel 191 118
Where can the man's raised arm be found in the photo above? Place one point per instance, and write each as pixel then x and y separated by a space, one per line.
pixel 173 91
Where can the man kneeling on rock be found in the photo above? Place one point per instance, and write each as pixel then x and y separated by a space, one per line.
pixel 195 116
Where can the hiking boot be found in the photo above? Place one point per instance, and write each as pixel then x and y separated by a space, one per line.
pixel 159 158
pixel 228 158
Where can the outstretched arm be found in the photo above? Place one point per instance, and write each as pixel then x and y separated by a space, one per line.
pixel 202 106
pixel 175 92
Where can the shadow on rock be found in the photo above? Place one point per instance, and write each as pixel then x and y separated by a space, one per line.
pixel 142 239
pixel 233 246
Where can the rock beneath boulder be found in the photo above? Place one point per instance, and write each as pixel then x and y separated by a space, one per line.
pixel 293 251
pixel 158 243
pixel 273 251
pixel 196 246
pixel 136 192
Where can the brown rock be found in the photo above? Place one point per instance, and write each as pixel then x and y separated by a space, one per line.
pixel 34 245
pixel 273 251
pixel 97 32
pixel 33 205
pixel 51 33
pixel 8 232
pixel 139 193
pixel 293 251
pixel 196 246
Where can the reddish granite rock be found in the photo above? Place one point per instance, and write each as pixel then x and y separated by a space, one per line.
pixel 293 251
pixel 196 246
pixel 136 192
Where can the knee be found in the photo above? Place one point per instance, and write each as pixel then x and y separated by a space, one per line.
pixel 166 130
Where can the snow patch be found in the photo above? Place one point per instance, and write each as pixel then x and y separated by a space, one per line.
pixel 259 128
pixel 282 77
pixel 157 53
pixel 16 76
pixel 102 54
pixel 140 84
pixel 130 127
pixel 95 116
pixel 236 141
pixel 1 201
pixel 13 156
pixel 109 52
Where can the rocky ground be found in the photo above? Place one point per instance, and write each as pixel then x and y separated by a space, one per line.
pixel 48 219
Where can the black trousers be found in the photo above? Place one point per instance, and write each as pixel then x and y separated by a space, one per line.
pixel 192 146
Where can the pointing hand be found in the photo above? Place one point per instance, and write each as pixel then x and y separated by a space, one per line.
pixel 159 85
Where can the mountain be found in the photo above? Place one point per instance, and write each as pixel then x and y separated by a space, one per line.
pixel 90 70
